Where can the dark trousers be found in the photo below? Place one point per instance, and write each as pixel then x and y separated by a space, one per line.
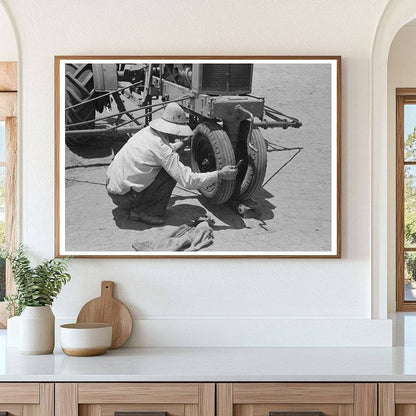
pixel 151 201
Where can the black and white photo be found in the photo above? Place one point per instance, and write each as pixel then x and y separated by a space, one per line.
pixel 186 157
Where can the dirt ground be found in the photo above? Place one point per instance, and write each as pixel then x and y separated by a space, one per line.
pixel 295 200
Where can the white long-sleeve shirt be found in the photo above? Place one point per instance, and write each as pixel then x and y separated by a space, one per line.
pixel 139 161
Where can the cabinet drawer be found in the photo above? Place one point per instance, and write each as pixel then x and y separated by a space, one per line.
pixel 21 399
pixel 397 399
pixel 152 399
pixel 138 393
pixel 296 399
pixel 19 393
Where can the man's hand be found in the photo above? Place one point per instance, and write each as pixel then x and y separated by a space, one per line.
pixel 180 143
pixel 228 173
pixel 177 145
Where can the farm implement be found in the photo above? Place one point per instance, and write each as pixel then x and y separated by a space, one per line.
pixel 225 117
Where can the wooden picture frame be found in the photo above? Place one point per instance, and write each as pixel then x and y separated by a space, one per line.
pixel 296 207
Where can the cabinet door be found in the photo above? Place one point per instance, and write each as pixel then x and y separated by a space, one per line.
pixel 26 399
pixel 144 399
pixel 296 399
pixel 397 399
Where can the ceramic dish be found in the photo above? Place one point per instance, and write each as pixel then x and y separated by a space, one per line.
pixel 83 340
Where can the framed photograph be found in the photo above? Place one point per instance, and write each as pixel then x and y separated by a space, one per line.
pixel 191 156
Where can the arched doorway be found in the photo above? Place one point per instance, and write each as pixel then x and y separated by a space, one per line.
pixel 396 14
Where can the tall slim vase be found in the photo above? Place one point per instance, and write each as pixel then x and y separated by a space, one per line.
pixel 37 330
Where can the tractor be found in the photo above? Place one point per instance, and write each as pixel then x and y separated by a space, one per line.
pixel 224 115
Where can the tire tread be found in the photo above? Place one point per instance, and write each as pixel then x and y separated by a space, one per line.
pixel 224 155
pixel 257 166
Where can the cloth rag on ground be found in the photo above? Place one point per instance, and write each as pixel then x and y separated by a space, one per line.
pixel 187 237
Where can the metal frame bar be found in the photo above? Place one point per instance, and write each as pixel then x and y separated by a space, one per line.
pixel 132 120
pixel 101 96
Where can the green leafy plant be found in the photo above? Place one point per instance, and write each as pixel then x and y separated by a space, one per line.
pixel 35 286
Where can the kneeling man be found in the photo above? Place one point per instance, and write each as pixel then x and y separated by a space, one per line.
pixel 146 169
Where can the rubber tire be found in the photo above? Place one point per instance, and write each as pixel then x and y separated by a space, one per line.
pixel 251 173
pixel 211 142
pixel 79 87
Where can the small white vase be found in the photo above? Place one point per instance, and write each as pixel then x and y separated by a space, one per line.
pixel 37 330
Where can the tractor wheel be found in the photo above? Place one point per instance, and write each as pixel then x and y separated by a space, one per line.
pixel 211 150
pixel 79 87
pixel 253 169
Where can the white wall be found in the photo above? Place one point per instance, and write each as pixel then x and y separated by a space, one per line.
pixel 8 47
pixel 179 302
pixel 401 74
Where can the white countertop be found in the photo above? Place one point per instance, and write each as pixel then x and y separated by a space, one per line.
pixel 213 364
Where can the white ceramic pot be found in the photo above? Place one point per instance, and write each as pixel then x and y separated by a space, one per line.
pixel 37 330
pixel 86 339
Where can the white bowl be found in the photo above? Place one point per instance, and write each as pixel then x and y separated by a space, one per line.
pixel 83 340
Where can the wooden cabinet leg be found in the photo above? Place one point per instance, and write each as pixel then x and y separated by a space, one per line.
pixel 365 399
pixel 207 399
pixel 386 399
pixel 224 399
pixel 66 399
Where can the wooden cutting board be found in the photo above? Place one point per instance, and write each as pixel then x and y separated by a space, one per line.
pixel 107 309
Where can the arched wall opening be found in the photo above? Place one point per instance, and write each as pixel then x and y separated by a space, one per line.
pixel 397 14
pixel 401 73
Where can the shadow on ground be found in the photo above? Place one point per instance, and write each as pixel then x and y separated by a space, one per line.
pixel 267 209
pixel 227 214
pixel 184 214
pixel 122 220
pixel 176 216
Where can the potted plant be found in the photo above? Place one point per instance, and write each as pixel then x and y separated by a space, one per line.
pixel 36 289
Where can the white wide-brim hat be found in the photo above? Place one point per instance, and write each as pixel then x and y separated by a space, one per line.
pixel 173 121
